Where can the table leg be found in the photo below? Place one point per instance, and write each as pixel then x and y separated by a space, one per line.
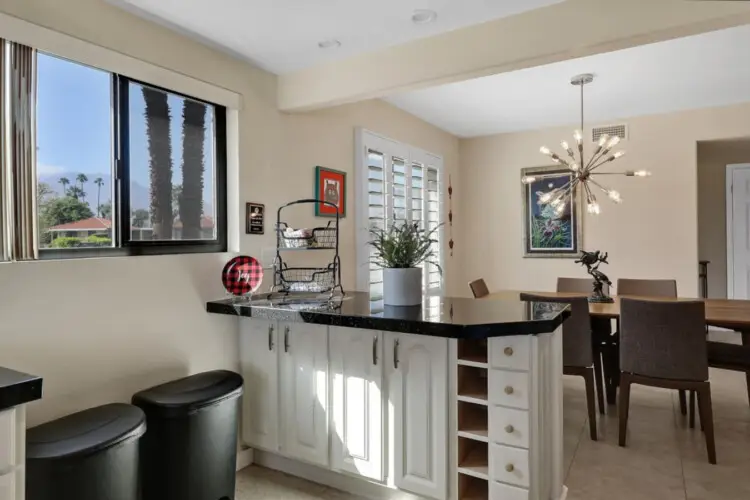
pixel 746 342
pixel 602 331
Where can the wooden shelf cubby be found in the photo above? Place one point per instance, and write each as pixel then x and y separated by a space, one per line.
pixel 473 421
pixel 472 351
pixel 472 384
pixel 473 458
pixel 472 488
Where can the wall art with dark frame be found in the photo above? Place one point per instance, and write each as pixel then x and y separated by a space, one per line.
pixel 330 186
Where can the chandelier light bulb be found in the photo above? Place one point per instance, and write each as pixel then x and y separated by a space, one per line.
pixel 528 179
pixel 614 141
pixel 545 150
pixel 642 173
pixel 573 166
pixel 619 154
pixel 560 208
pixel 603 140
pixel 578 135
pixel 614 196
pixel 546 197
pixel 565 145
pixel 593 208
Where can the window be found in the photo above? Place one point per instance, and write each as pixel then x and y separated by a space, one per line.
pixel 124 167
pixel 396 182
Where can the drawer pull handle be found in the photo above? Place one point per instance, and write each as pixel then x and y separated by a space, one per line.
pixel 270 338
pixel 508 390
pixel 510 468
pixel 508 351
pixel 509 429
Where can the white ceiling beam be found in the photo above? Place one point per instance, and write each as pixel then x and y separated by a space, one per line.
pixel 572 29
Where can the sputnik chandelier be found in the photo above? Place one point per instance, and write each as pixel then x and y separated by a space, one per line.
pixel 582 170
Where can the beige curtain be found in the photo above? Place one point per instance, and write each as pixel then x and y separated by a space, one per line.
pixel 6 207
pixel 22 78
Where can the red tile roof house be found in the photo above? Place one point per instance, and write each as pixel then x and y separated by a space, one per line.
pixel 103 227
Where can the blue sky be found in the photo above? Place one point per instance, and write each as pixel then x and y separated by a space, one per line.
pixel 74 128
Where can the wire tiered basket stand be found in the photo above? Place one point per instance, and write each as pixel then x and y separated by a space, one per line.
pixel 309 282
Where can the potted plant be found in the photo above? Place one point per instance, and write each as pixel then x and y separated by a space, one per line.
pixel 398 251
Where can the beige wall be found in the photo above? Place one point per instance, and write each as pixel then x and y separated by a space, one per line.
pixel 713 158
pixel 99 329
pixel 653 234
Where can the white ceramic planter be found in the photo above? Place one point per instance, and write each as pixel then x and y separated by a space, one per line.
pixel 402 287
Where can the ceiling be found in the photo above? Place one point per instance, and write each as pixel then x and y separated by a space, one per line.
pixel 282 36
pixel 700 71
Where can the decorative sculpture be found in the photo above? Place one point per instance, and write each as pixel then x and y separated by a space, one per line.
pixel 592 261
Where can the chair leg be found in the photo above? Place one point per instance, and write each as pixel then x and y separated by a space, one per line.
pixel 591 402
pixel 692 409
pixel 683 402
pixel 707 418
pixel 611 364
pixel 599 379
pixel 624 406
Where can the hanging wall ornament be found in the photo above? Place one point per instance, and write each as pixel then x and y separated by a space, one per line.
pixel 450 214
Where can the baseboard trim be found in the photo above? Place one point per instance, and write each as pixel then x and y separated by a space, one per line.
pixel 244 458
pixel 340 481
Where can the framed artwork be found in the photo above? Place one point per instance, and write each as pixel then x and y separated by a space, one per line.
pixel 548 232
pixel 254 215
pixel 330 186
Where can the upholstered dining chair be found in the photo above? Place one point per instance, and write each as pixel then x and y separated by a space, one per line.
pixel 578 357
pixel 663 344
pixel 601 330
pixel 729 357
pixel 479 288
pixel 663 288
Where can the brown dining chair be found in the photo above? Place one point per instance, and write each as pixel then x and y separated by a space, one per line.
pixel 601 330
pixel 479 288
pixel 662 288
pixel 578 357
pixel 663 344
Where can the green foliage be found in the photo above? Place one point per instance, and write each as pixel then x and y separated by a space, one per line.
pixel 140 217
pixel 105 210
pixel 404 246
pixel 96 240
pixel 66 242
pixel 550 233
pixel 63 210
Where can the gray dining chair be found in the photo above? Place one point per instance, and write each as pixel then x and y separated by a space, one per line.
pixel 729 357
pixel 479 288
pixel 663 344
pixel 578 357
pixel 601 331
pixel 662 288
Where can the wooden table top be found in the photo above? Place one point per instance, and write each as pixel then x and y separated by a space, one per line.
pixel 724 313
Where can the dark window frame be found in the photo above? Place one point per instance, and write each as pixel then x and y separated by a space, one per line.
pixel 123 246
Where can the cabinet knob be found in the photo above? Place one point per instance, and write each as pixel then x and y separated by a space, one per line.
pixel 508 390
pixel 510 468
pixel 509 429
pixel 508 351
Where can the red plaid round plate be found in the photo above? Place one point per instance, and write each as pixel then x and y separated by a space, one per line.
pixel 242 275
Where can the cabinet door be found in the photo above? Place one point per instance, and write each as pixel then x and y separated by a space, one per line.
pixel 417 388
pixel 260 404
pixel 357 403
pixel 8 490
pixel 304 381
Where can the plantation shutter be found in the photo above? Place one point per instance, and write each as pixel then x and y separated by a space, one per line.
pixel 400 184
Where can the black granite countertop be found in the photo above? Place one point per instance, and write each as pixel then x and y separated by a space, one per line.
pixel 437 316
pixel 18 388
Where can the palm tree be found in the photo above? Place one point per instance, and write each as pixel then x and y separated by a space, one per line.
pixel 191 198
pixel 99 183
pixel 64 181
pixel 82 179
pixel 76 192
pixel 160 161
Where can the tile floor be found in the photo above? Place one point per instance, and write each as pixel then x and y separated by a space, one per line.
pixel 664 459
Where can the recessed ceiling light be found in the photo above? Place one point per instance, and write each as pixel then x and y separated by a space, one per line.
pixel 423 16
pixel 330 43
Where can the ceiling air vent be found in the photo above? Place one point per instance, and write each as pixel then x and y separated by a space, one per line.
pixel 620 131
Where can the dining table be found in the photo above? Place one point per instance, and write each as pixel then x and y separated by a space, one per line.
pixel 730 314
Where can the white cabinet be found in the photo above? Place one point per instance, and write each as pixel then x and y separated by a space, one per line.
pixel 12 443
pixel 304 391
pixel 259 361
pixel 356 383
pixel 8 487
pixel 417 369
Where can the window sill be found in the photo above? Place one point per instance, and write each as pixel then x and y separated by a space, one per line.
pixel 152 249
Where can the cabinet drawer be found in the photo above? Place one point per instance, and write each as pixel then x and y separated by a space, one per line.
pixel 509 426
pixel 509 389
pixel 509 465
pixel 7 440
pixel 8 486
pixel 499 491
pixel 511 352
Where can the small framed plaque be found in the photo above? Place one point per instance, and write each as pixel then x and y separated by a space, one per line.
pixel 254 218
